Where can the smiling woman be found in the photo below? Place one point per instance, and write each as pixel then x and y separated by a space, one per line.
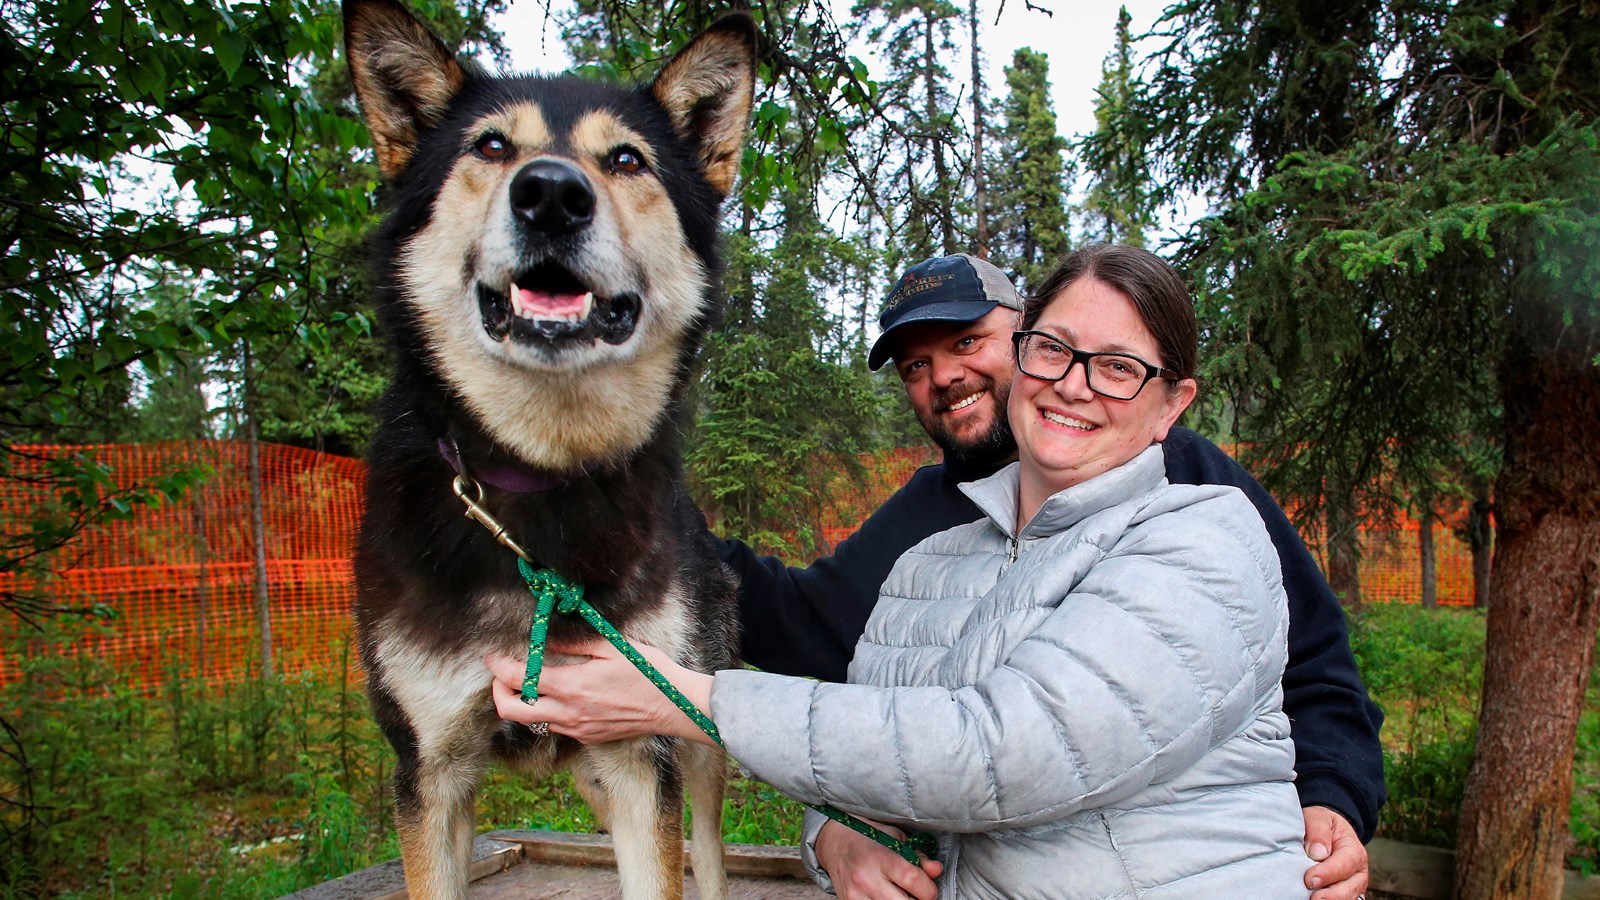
pixel 1091 411
pixel 1123 634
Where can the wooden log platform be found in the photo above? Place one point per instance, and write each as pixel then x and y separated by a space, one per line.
pixel 545 865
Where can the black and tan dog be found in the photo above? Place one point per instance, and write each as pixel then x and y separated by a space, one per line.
pixel 547 269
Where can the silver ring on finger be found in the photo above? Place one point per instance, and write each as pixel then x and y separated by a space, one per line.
pixel 542 729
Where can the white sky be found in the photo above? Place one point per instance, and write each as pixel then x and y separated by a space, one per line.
pixel 1077 38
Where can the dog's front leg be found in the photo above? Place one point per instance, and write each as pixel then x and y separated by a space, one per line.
pixel 435 845
pixel 435 713
pixel 644 797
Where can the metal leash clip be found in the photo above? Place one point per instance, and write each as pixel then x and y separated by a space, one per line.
pixel 475 511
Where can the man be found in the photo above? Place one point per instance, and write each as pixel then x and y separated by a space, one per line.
pixel 947 325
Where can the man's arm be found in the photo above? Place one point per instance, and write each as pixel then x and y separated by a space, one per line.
pixel 806 621
pixel 1338 760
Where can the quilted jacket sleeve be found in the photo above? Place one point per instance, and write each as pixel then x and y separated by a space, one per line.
pixel 1170 643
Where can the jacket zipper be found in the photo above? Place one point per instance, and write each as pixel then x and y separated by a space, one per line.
pixel 1011 550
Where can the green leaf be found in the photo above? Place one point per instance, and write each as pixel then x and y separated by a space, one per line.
pixel 229 49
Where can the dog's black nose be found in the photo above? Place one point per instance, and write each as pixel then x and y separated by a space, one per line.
pixel 552 196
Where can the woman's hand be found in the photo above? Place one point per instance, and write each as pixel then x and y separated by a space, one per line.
pixel 602 697
pixel 863 869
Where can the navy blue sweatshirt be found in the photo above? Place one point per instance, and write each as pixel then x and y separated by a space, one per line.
pixel 806 621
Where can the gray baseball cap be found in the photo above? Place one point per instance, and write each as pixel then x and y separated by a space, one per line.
pixel 955 288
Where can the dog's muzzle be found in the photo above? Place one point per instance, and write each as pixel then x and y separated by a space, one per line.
pixel 535 312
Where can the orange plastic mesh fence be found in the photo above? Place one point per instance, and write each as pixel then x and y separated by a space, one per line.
pixel 178 579
pixel 1391 561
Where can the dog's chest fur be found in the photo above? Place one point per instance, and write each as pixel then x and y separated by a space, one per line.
pixel 441 580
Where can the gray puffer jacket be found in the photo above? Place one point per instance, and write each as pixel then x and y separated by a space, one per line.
pixel 1087 708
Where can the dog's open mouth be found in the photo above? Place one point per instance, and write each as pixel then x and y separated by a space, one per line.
pixel 549 305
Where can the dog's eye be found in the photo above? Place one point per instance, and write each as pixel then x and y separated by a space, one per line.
pixel 627 160
pixel 493 147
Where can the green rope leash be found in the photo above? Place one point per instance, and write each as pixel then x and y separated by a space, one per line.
pixel 920 842
pixel 556 594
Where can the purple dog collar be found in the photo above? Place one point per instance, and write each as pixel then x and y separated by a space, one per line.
pixel 516 479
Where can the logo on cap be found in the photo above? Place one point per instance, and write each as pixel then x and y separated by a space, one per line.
pixel 910 286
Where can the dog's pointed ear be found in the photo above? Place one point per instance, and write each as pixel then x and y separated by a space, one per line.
pixel 404 76
pixel 708 88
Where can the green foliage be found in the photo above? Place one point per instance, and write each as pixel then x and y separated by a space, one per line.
pixel 1586 786
pixel 1396 187
pixel 915 156
pixel 180 187
pixel 1426 786
pixel 1120 206
pixel 783 393
pixel 1237 88
pixel 109 792
pixel 1425 668
pixel 87 151
pixel 1028 179
pixel 157 213
pixel 754 813
pixel 812 94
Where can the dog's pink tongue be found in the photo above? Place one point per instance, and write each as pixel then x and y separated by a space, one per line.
pixel 539 305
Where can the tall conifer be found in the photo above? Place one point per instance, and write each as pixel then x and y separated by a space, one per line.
pixel 1029 175
pixel 1120 205
pixel 1408 214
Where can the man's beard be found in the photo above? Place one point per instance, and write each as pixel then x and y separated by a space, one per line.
pixel 995 446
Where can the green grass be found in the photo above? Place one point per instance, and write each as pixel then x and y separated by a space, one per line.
pixel 1425 668
pixel 246 791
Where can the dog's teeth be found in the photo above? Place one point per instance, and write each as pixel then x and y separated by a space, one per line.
pixel 536 307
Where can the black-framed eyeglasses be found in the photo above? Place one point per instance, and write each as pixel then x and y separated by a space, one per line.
pixel 1119 376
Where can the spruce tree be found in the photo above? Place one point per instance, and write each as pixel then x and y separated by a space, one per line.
pixel 1120 205
pixel 1407 224
pixel 785 405
pixel 1029 175
pixel 915 150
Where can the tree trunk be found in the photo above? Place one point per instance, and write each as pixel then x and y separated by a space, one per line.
pixel 979 193
pixel 1344 553
pixel 943 193
pixel 1543 613
pixel 1480 540
pixel 1425 555
pixel 258 531
pixel 202 549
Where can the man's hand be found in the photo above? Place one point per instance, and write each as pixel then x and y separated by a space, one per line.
pixel 1341 869
pixel 863 869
